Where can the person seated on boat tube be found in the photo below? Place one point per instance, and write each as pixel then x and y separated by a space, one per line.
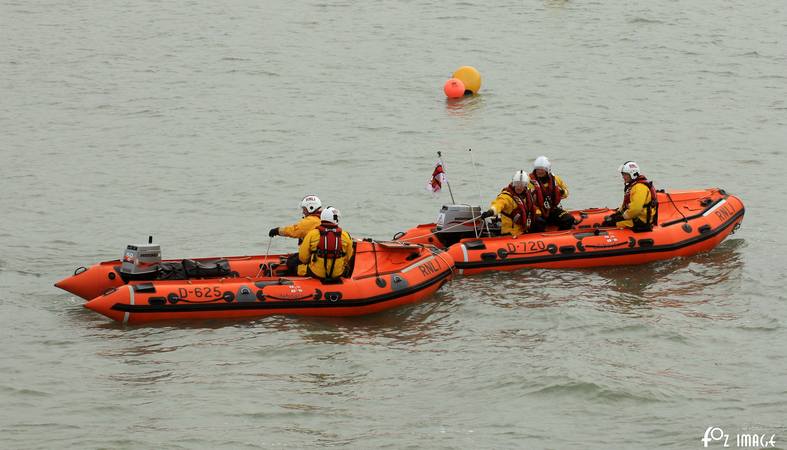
pixel 515 206
pixel 548 190
pixel 640 205
pixel 311 207
pixel 326 251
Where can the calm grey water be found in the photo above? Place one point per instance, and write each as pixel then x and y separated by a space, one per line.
pixel 204 124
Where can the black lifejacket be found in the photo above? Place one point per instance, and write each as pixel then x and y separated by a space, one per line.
pixel 547 197
pixel 651 208
pixel 329 247
pixel 525 211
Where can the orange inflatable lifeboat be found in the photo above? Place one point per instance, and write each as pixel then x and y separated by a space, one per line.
pixel 383 275
pixel 689 222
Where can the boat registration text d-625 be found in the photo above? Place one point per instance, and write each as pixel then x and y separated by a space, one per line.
pixel 200 292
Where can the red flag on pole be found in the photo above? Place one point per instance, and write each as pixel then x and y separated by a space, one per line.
pixel 438 178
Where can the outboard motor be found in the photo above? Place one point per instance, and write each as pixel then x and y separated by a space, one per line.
pixel 455 222
pixel 141 261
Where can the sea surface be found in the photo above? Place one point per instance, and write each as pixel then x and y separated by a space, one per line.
pixel 203 124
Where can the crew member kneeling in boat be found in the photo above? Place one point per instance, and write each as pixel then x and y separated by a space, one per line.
pixel 640 205
pixel 515 206
pixel 548 190
pixel 311 207
pixel 326 250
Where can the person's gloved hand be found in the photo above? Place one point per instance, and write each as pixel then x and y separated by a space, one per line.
pixel 612 219
pixel 273 232
pixel 487 213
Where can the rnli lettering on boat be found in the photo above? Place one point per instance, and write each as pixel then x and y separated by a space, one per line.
pixel 427 267
pixel 725 212
pixel 430 267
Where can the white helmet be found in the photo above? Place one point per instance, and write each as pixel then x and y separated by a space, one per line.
pixel 542 163
pixel 311 203
pixel 520 180
pixel 330 214
pixel 631 168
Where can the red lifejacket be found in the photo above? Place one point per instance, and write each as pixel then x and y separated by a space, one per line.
pixel 525 208
pixel 547 197
pixel 330 244
pixel 329 247
pixel 651 208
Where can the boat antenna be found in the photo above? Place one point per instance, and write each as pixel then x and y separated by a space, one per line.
pixel 478 183
pixel 440 157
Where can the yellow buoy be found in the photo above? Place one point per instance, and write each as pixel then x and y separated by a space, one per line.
pixel 470 77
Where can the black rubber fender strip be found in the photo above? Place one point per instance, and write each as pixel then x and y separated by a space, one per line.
pixel 604 254
pixel 156 301
pixel 144 287
pixel 489 256
pixel 646 243
pixel 287 303
pixel 475 245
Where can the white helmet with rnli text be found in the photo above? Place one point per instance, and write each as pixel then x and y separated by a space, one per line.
pixel 330 214
pixel 542 163
pixel 311 203
pixel 520 180
pixel 631 168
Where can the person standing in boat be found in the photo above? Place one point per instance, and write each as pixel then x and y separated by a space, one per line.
pixel 311 207
pixel 548 190
pixel 515 206
pixel 640 205
pixel 326 251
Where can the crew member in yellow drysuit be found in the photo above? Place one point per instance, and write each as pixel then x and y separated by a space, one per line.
pixel 326 251
pixel 515 206
pixel 639 210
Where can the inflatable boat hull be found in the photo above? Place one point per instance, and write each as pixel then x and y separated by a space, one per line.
pixel 690 222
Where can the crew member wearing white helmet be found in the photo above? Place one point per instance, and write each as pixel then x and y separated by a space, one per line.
pixel 515 206
pixel 326 251
pixel 311 206
pixel 548 190
pixel 640 204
